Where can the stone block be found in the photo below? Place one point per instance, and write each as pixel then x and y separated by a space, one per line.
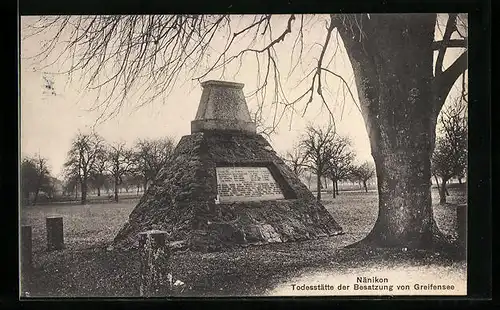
pixel 55 233
pixel 26 248
pixel 155 275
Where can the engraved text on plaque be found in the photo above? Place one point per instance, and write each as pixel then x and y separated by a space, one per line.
pixel 246 184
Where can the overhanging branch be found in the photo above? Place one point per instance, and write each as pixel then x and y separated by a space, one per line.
pixel 443 83
pixel 437 45
pixel 450 28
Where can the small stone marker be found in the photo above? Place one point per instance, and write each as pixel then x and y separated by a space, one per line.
pixel 26 248
pixel 26 259
pixel 55 234
pixel 154 254
pixel 462 222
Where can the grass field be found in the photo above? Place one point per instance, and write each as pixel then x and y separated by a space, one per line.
pixel 86 268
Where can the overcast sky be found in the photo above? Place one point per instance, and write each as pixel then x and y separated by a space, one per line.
pixel 49 122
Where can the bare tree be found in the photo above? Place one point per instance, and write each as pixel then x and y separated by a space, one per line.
pixel 70 184
pixel 133 178
pixel 262 127
pixel 401 90
pixel 316 143
pixel 340 161
pixel 363 173
pixel 119 164
pixel 98 176
pixel 450 155
pixel 295 159
pixel 35 176
pixel 150 156
pixel 85 149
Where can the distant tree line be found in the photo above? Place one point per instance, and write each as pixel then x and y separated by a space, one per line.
pixel 93 164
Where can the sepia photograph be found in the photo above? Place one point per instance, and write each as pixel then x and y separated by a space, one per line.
pixel 243 155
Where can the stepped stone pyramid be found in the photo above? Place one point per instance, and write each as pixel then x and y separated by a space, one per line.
pixel 226 186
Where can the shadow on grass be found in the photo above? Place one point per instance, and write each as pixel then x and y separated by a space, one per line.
pixel 251 271
pixel 86 269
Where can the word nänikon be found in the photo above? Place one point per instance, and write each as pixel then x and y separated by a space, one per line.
pixel 371 280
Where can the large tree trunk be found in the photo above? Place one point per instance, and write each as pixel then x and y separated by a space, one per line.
pixel 393 68
pixel 337 187
pixel 365 187
pixel 98 192
pixel 405 206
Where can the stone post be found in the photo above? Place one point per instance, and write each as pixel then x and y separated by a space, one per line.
pixel 26 248
pixel 155 277
pixel 462 223
pixel 26 258
pixel 55 234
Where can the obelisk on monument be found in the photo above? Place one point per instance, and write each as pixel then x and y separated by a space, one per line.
pixel 223 108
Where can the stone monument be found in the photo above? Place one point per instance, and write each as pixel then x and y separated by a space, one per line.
pixel 226 186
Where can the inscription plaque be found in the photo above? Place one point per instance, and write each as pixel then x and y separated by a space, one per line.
pixel 246 184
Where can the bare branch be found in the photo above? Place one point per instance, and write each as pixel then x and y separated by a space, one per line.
pixel 438 45
pixel 450 28
pixel 444 82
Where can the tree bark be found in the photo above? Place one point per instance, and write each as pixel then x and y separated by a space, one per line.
pixel 333 190
pixel 98 191
pixel 405 205
pixel 392 62
pixel 365 187
pixel 337 187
